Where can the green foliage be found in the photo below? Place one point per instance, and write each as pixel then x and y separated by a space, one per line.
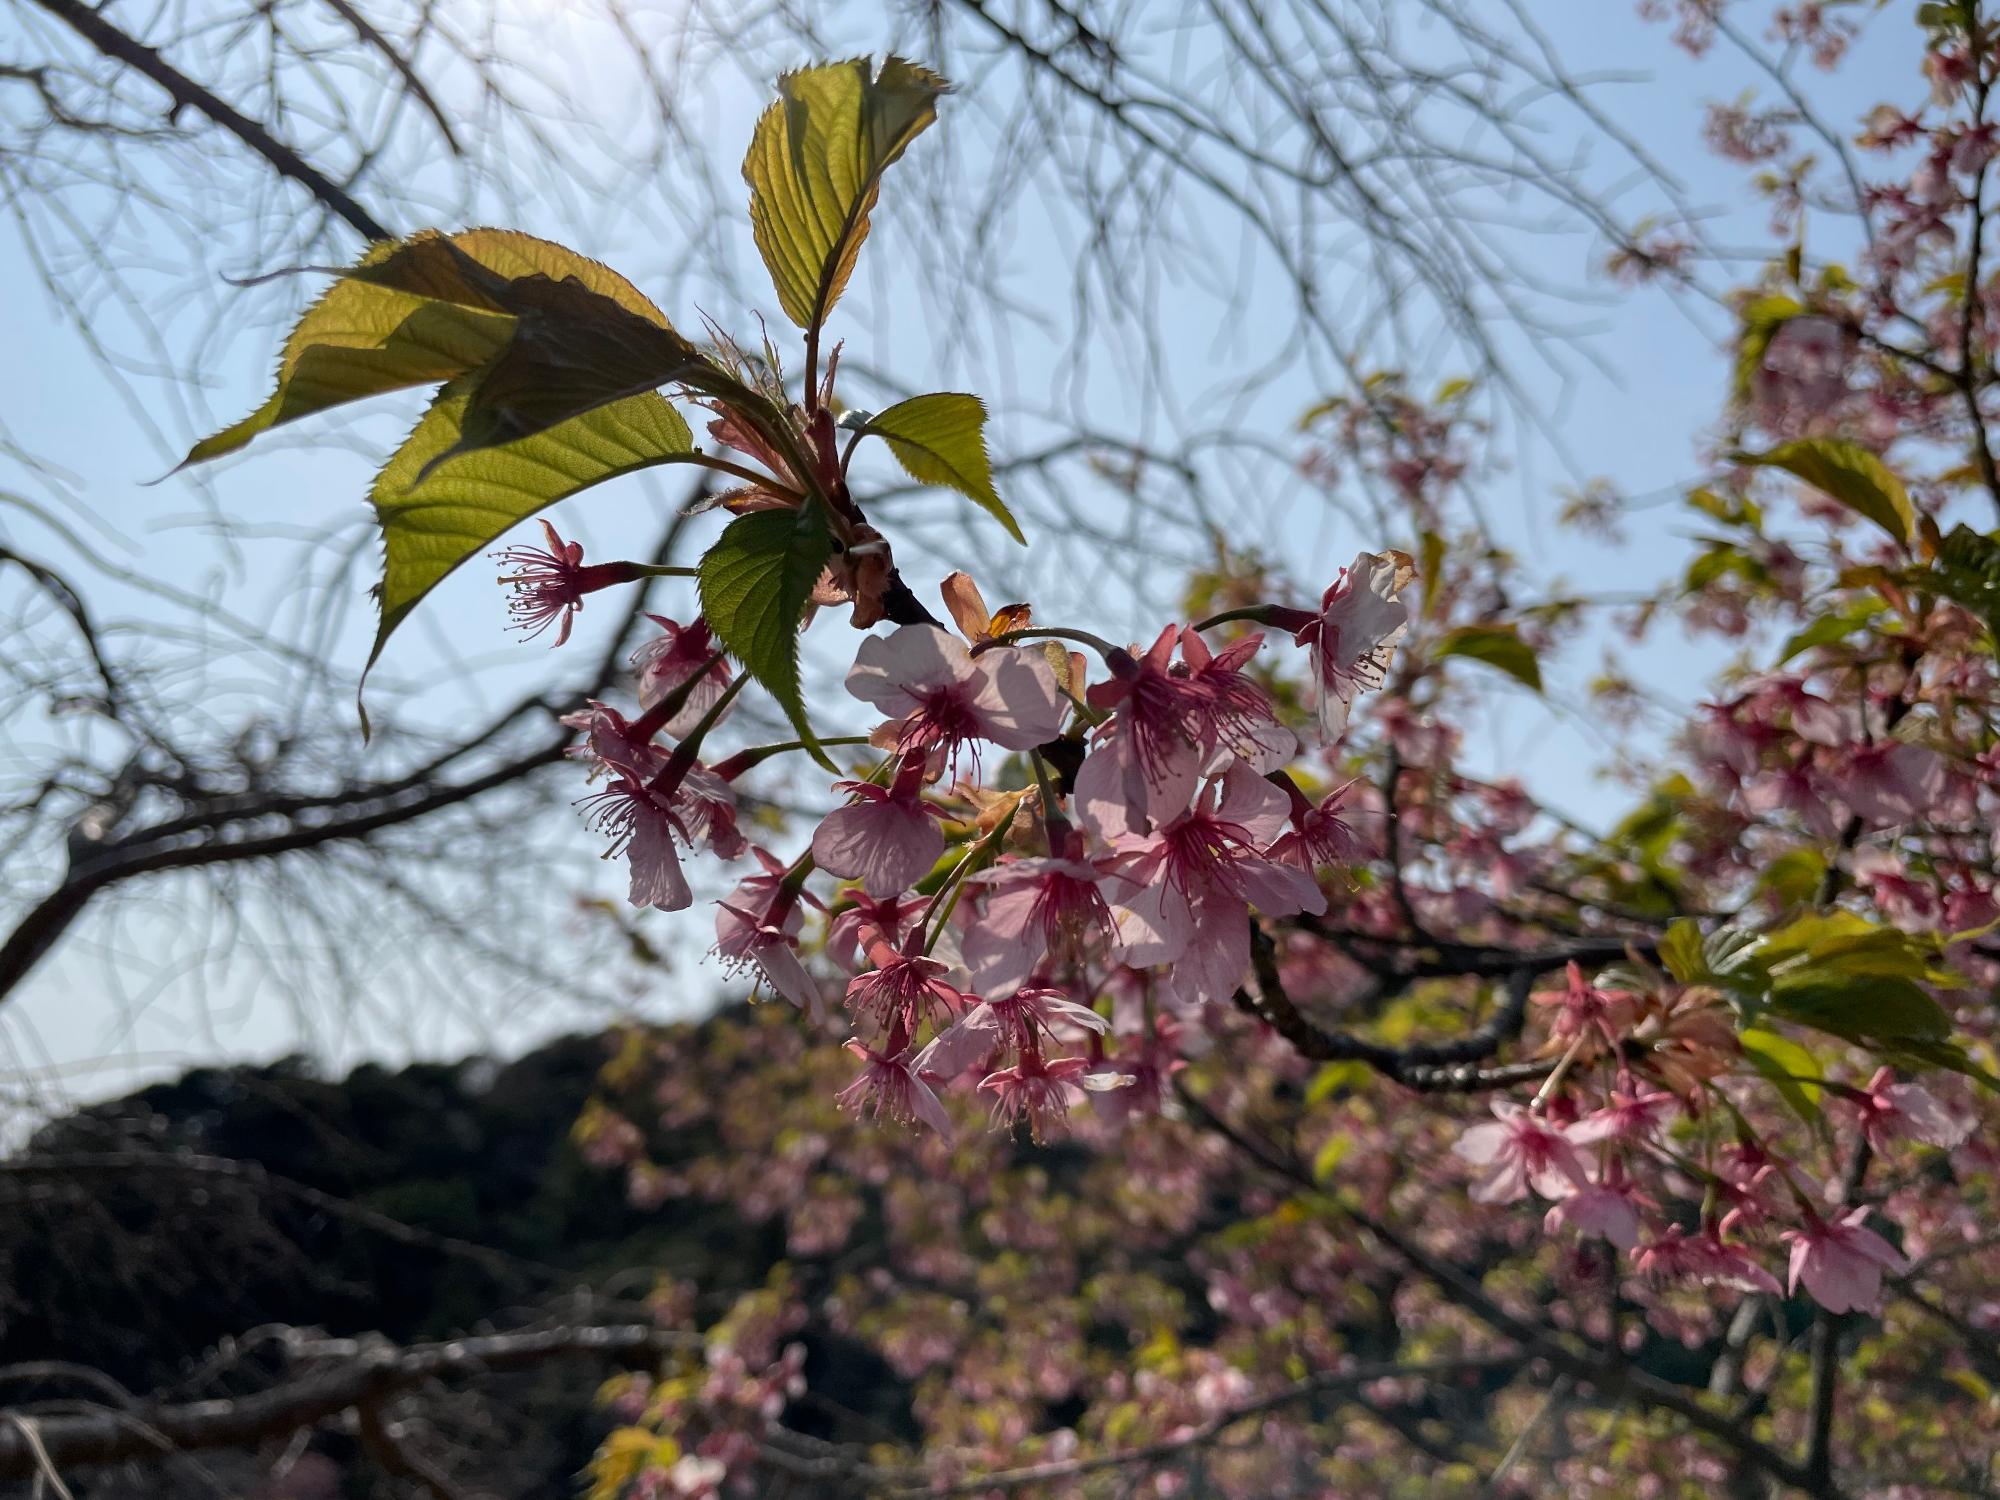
pixel 1851 474
pixel 755 584
pixel 1967 572
pixel 1762 318
pixel 815 168
pixel 1498 646
pixel 1835 626
pixel 437 507
pixel 941 439
pixel 1787 1067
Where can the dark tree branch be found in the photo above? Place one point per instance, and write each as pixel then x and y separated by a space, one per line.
pixel 355 1375
pixel 187 94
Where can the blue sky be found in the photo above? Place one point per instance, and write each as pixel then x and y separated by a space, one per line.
pixel 1628 402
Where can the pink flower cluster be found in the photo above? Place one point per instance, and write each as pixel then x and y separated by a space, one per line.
pixel 978 922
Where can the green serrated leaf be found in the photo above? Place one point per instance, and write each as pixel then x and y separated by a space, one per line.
pixel 1499 646
pixel 437 511
pixel 1851 474
pixel 755 584
pixel 941 439
pixel 815 168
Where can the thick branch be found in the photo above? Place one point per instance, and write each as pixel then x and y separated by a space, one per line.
pixel 358 1375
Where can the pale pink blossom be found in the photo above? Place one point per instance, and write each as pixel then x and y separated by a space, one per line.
pixel 1520 1151
pixel 1640 1116
pixel 886 837
pixel 1893 1112
pixel 1194 881
pixel 1360 620
pixel 1035 910
pixel 1841 1262
pixel 940 696
pixel 1021 1021
pixel 1890 782
pixel 1319 835
pixel 1606 1211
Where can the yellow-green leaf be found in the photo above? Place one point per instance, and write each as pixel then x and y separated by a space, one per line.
pixel 408 313
pixel 1499 646
pixel 815 168
pixel 1851 474
pixel 755 584
pixel 941 439
pixel 437 511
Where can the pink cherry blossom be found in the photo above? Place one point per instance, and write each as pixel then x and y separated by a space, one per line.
pixel 1354 634
pixel 1022 1021
pixel 1319 835
pixel 1194 881
pixel 1607 1211
pixel 1841 1263
pixel 869 920
pixel 1039 1092
pixel 1581 1007
pixel 1641 1116
pixel 670 661
pixel 1703 1259
pixel 549 583
pixel 886 837
pixel 1890 782
pixel 642 826
pixel 1892 1112
pixel 941 696
pixel 1521 1150
pixel 758 925
pixel 903 990
pixel 889 1085
pixel 1035 910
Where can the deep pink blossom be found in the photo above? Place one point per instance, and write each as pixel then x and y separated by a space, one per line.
pixel 549 583
pixel 889 1085
pixel 1581 1007
pixel 1040 1092
pixel 681 654
pixel 903 990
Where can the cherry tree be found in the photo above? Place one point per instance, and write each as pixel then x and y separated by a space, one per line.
pixel 1664 1153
